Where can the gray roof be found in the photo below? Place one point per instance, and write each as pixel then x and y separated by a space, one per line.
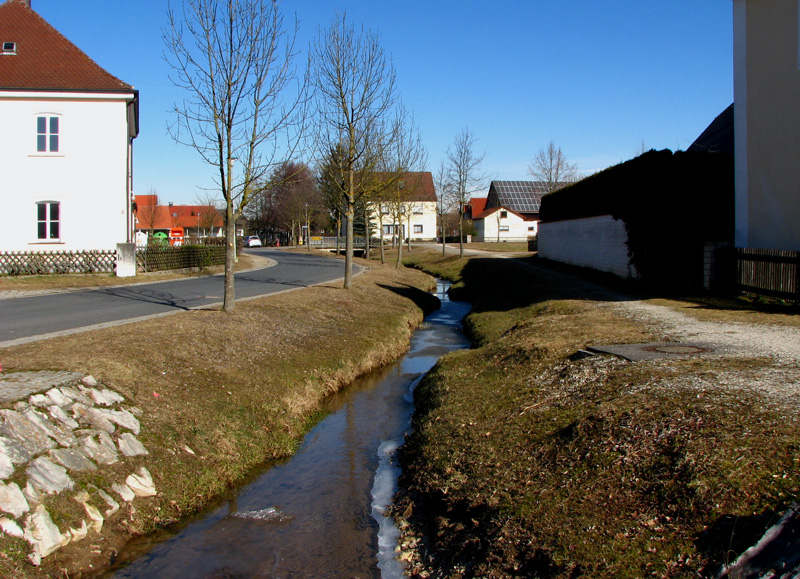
pixel 519 196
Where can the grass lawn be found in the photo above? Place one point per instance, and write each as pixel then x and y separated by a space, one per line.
pixel 525 463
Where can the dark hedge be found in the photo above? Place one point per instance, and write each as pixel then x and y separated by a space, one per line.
pixel 671 204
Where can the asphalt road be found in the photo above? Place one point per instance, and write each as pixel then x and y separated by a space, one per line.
pixel 32 318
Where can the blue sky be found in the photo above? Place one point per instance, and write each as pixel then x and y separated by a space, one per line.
pixel 601 79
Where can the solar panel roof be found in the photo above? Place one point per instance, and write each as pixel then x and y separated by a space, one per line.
pixel 519 196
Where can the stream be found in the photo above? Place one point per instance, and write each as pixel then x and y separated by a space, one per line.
pixel 320 513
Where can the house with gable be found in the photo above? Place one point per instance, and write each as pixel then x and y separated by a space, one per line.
pixel 195 220
pixel 68 130
pixel 766 90
pixel 416 196
pixel 511 212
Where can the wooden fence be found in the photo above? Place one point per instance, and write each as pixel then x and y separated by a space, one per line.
pixel 769 272
pixel 55 262
pixel 154 258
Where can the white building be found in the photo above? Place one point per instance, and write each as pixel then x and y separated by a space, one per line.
pixel 500 224
pixel 767 123
pixel 68 128
pixel 408 209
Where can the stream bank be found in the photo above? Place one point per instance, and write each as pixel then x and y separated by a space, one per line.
pixel 207 422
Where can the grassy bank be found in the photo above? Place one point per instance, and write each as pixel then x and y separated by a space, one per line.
pixel 220 394
pixel 524 463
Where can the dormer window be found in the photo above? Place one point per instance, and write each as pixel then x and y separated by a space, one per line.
pixel 9 48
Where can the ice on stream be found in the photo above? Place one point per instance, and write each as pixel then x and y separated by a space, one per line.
pixel 383 490
pixel 269 515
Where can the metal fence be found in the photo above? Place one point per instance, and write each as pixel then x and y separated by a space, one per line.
pixel 769 272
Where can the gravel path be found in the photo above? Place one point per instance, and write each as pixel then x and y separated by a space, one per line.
pixel 781 343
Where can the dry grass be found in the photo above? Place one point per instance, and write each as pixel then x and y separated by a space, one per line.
pixel 526 464
pixel 237 389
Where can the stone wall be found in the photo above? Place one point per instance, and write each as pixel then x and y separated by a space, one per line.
pixel 59 424
pixel 595 242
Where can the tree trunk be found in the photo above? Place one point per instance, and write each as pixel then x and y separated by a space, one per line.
pixel 348 243
pixel 229 301
pixel 460 235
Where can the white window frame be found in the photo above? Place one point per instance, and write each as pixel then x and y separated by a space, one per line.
pixel 46 220
pixel 503 228
pixel 418 228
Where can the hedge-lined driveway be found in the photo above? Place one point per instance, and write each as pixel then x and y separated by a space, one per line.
pixel 32 318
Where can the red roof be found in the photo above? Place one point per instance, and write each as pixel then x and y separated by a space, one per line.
pixel 422 183
pixel 153 216
pixel 44 58
pixel 477 205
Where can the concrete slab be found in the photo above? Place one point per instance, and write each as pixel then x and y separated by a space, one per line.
pixel 641 352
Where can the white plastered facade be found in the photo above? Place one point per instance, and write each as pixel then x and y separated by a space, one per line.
pixel 89 176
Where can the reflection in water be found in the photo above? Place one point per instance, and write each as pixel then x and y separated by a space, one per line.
pixel 320 513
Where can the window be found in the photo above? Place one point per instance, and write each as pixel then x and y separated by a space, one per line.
pixel 531 228
pixel 388 229
pixel 504 228
pixel 9 48
pixel 48 220
pixel 47 134
pixel 504 215
pixel 418 229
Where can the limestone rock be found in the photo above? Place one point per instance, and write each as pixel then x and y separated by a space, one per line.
pixel 72 459
pixel 124 491
pixel 58 398
pixel 42 534
pixel 96 451
pixel 89 381
pixel 58 414
pixel 31 493
pixel 15 426
pixel 129 445
pixel 57 432
pixel 95 516
pixel 113 506
pixel 40 401
pixel 6 464
pixel 12 500
pixel 105 397
pixel 10 527
pixel 80 533
pixel 47 476
pixel 122 418
pixel 107 441
pixel 92 416
pixel 141 483
pixel 14 450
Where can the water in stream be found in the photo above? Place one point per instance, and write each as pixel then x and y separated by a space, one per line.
pixel 320 513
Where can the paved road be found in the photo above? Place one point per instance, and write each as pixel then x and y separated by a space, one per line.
pixel 32 318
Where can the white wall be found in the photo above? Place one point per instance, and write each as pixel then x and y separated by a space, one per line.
pixel 88 176
pixel 596 242
pixel 423 213
pixel 767 123
pixel 518 229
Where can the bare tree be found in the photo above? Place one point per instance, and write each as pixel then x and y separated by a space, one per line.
pixel 550 166
pixel 464 175
pixel 445 197
pixel 244 107
pixel 355 88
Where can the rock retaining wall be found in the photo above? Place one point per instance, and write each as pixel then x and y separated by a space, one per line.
pixel 63 423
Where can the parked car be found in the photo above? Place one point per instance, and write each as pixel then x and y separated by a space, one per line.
pixel 252 241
